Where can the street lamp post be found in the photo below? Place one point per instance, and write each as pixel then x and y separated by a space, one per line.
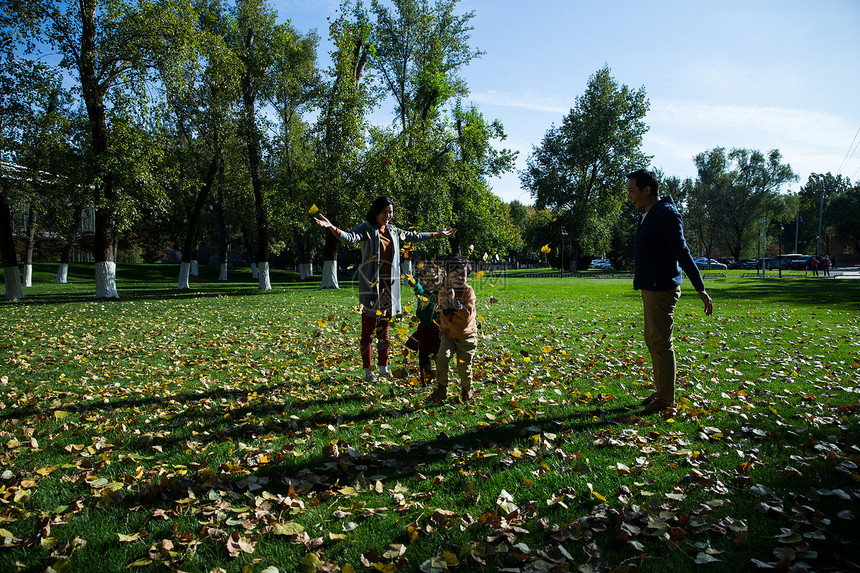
pixel 563 235
pixel 820 216
pixel 796 227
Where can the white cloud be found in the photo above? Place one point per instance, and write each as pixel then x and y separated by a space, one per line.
pixel 525 100
pixel 815 128
pixel 809 141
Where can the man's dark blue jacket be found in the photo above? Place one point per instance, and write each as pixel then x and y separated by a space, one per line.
pixel 661 251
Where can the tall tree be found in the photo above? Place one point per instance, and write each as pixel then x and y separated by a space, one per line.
pixel 482 218
pixel 42 148
pixel 844 214
pixel 265 49
pixel 203 106
pixel 111 47
pixel 753 178
pixel 705 203
pixel 22 80
pixel 579 168
pixel 441 163
pixel 419 50
pixel 816 207
pixel 296 91
pixel 346 100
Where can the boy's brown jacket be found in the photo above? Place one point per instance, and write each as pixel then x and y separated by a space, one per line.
pixel 458 321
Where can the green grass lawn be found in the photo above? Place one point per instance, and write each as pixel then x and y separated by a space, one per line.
pixel 224 427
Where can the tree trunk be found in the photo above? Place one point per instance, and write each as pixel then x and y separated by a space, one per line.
pixel 28 247
pixel 306 267
pixel 222 229
pixel 184 272
pixel 11 277
pixel 66 255
pixel 105 219
pixel 254 162
pixel 250 250
pixel 62 273
pixel 189 250
pixel 329 272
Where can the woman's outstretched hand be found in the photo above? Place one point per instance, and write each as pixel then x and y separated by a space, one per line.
pixel 449 232
pixel 322 221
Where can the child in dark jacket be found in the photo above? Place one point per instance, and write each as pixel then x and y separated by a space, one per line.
pixel 425 340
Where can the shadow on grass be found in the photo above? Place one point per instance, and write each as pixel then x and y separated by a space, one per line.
pixel 802 292
pixel 154 282
pixel 163 292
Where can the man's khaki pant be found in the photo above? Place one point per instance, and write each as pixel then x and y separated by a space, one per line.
pixel 464 351
pixel 659 307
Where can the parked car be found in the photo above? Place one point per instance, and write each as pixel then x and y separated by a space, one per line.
pixel 745 264
pixel 604 264
pixel 774 263
pixel 800 263
pixel 786 261
pixel 711 264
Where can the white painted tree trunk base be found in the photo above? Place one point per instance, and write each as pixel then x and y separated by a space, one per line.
pixel 62 274
pixel 223 275
pixel 329 275
pixel 184 271
pixel 195 272
pixel 265 283
pixel 106 280
pixel 254 274
pixel 306 270
pixel 12 279
pixel 28 275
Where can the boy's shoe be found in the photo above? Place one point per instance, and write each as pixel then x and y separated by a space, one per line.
pixel 370 378
pixel 427 377
pixel 439 394
pixel 657 405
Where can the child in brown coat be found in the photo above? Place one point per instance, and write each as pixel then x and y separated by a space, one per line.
pixel 458 330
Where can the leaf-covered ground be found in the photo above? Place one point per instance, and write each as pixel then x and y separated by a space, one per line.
pixel 226 429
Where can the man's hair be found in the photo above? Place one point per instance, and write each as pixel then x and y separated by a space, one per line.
pixel 376 208
pixel 645 179
pixel 458 262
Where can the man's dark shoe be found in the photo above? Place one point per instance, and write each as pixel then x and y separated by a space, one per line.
pixel 656 405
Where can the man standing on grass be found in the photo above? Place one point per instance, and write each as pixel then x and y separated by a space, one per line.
pixel 659 255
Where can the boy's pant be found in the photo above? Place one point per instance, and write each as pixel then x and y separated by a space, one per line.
pixel 659 307
pixel 464 351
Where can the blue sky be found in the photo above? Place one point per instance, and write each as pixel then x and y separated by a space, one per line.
pixel 759 74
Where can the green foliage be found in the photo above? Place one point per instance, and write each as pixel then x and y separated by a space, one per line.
pixel 816 200
pixel 579 168
pixel 339 145
pixel 735 190
pixel 843 214
pixel 542 228
pixel 419 49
